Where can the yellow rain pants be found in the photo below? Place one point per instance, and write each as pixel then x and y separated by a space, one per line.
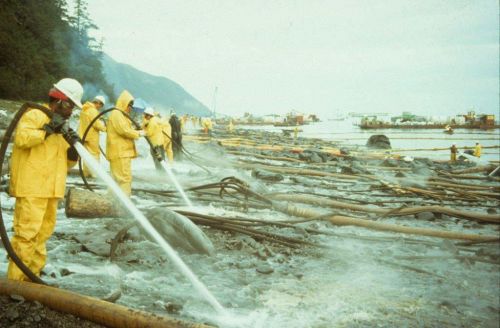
pixel 122 173
pixel 34 222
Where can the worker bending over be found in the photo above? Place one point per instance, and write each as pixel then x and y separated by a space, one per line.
pixel 89 111
pixel 120 145
pixel 41 156
pixel 154 131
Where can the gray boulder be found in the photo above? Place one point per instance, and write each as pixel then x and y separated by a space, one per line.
pixel 379 141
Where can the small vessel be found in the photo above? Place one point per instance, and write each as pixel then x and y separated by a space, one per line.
pixel 448 129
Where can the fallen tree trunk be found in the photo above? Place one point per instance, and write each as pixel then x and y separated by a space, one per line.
pixel 477 169
pixel 87 204
pixel 493 218
pixel 89 308
pixel 345 220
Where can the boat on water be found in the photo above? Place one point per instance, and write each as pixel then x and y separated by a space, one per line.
pixel 293 119
pixel 410 121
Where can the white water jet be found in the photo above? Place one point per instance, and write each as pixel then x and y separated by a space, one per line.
pixel 99 171
pixel 172 177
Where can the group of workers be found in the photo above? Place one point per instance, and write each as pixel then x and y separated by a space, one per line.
pixel 454 151
pixel 42 155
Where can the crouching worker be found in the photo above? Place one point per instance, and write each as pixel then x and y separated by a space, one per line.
pixel 154 131
pixel 41 156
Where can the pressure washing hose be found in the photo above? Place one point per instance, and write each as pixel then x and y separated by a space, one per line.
pixel 3 150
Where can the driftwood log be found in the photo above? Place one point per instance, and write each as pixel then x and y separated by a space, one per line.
pixel 87 204
pixel 324 202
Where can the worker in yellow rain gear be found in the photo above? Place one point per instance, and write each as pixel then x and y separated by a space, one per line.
pixel 41 156
pixel 154 131
pixel 207 125
pixel 230 126
pixel 477 150
pixel 295 133
pixel 89 111
pixel 453 153
pixel 167 139
pixel 194 121
pixel 120 145
pixel 183 120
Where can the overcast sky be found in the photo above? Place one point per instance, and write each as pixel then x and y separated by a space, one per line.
pixel 314 56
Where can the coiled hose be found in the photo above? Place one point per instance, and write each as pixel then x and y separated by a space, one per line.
pixel 3 150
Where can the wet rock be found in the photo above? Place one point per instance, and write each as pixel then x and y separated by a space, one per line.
pixel 427 216
pixel 264 269
pixel 491 211
pixel 421 169
pixel 390 162
pixel 424 161
pixel 12 314
pixel 179 231
pixel 172 307
pixel 400 175
pixel 315 158
pixel 379 141
pixel 16 297
pixel 268 176
pixel 65 272
pixel 344 151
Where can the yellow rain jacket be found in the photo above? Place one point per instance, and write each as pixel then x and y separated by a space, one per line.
pixel 120 133
pixel 38 166
pixel 120 145
pixel 477 151
pixel 89 112
pixel 153 129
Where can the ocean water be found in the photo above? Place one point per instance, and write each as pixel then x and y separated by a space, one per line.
pixel 346 132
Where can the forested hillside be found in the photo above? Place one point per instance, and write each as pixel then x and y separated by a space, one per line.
pixel 41 43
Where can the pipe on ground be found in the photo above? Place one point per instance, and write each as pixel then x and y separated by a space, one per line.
pixel 89 308
pixel 291 209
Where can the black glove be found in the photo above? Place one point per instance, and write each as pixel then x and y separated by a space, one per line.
pixel 55 125
pixel 70 135
pixel 156 152
pixel 72 154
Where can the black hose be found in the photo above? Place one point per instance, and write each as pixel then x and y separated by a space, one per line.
pixel 3 150
pixel 137 126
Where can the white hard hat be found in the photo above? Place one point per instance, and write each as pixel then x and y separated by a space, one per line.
pixel 71 89
pixel 149 111
pixel 101 99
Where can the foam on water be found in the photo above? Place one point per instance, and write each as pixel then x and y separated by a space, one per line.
pixel 132 209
